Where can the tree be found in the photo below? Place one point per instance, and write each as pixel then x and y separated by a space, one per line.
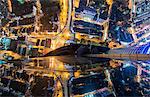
pixel 21 1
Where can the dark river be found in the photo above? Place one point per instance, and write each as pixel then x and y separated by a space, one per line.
pixel 70 76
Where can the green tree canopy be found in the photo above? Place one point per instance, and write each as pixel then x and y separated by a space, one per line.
pixel 21 1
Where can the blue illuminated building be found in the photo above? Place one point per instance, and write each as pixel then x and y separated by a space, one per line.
pixel 142 49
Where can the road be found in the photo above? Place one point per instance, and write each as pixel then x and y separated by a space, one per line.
pixel 70 8
pixel 15 55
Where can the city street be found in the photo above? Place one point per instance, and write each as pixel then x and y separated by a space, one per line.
pixel 74 48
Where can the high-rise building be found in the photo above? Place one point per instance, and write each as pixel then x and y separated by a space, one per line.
pixel 3 13
pixel 141 19
pixel 137 49
pixel 141 26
